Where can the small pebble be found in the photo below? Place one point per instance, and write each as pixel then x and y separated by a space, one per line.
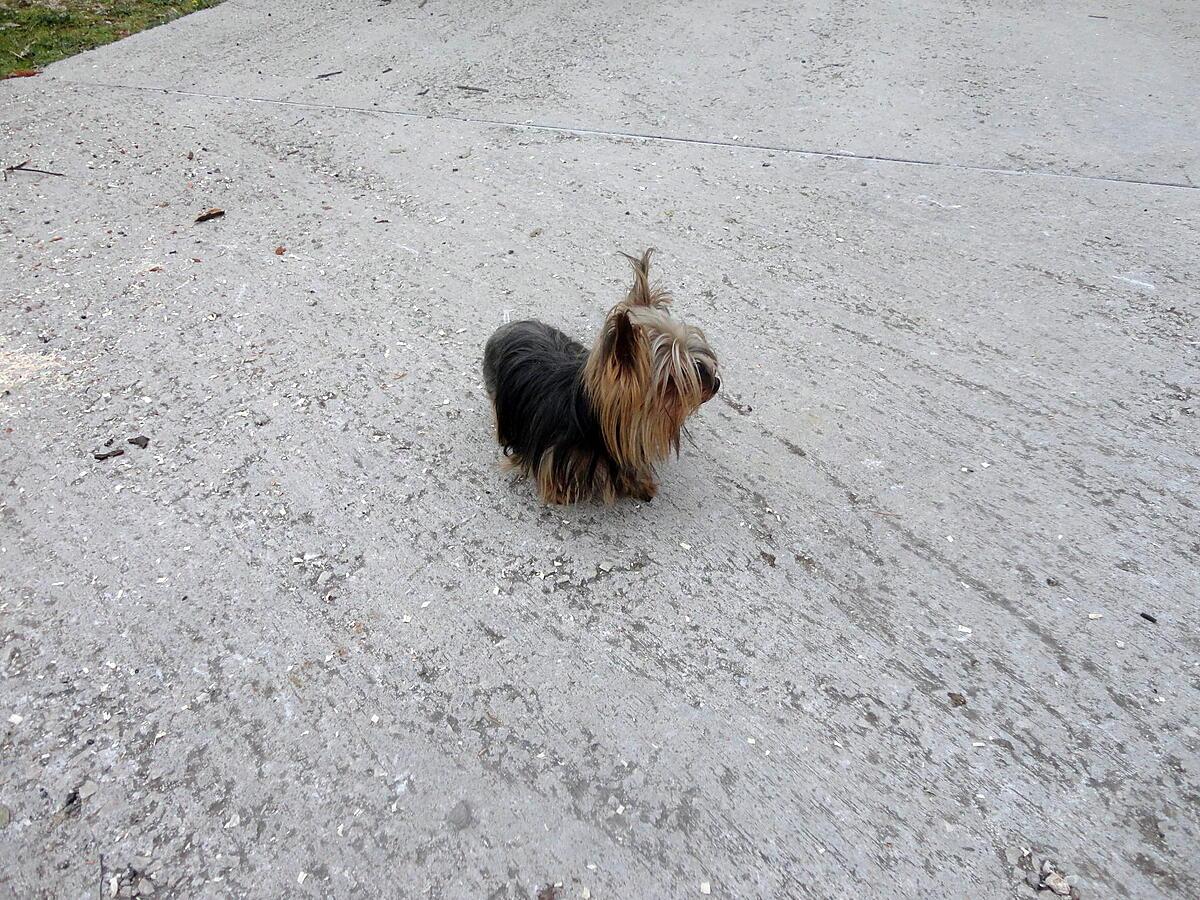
pixel 1057 883
pixel 460 816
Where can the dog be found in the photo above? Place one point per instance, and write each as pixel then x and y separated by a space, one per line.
pixel 592 424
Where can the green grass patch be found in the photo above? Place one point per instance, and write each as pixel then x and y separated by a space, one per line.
pixel 34 33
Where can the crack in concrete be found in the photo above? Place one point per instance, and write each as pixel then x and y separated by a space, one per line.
pixel 643 136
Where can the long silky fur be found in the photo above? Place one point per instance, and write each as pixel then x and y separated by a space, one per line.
pixel 592 424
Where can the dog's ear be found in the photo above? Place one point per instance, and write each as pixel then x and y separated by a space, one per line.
pixel 624 345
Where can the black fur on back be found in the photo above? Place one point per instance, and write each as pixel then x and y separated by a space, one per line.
pixel 534 375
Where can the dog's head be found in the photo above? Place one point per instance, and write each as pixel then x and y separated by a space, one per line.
pixel 648 372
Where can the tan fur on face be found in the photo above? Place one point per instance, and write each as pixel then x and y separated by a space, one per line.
pixel 673 392
pixel 643 384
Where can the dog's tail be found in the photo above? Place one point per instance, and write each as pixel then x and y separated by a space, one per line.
pixel 642 294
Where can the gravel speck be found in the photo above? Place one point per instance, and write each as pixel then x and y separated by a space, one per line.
pixel 461 816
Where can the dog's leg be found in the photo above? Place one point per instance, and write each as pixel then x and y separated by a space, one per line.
pixel 496 422
pixel 637 484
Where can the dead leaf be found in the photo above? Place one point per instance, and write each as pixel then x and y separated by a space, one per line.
pixel 956 699
pixel 22 73
pixel 214 213
pixel 155 269
pixel 280 250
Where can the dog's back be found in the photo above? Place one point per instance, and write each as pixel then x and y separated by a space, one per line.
pixel 521 354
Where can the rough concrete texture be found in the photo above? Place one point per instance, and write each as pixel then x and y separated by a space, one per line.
pixel 883 634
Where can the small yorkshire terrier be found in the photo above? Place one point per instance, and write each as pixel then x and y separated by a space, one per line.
pixel 592 424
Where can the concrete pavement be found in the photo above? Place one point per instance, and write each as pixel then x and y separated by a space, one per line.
pixel 915 613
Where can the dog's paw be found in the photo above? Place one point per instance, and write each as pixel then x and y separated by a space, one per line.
pixel 643 489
